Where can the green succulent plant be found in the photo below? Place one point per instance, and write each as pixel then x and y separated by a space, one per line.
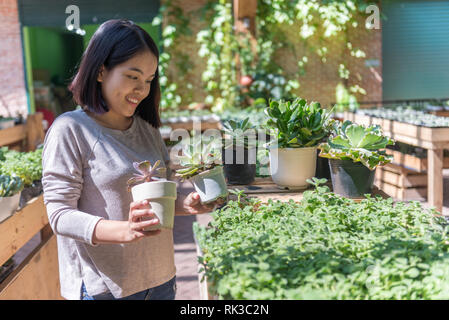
pixel 147 172
pixel 10 185
pixel 199 155
pixel 240 133
pixel 297 124
pixel 359 144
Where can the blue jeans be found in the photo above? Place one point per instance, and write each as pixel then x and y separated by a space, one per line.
pixel 165 291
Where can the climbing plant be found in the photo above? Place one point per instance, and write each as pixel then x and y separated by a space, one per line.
pixel 318 23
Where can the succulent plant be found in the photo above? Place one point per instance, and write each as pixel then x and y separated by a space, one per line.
pixel 147 173
pixel 357 143
pixel 297 124
pixel 407 114
pixel 10 185
pixel 198 156
pixel 241 133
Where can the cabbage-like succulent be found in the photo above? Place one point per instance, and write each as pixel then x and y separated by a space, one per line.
pixel 148 173
pixel 10 185
pixel 359 144
pixel 198 156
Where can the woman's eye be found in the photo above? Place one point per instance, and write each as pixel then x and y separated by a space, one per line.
pixel 149 81
pixel 132 77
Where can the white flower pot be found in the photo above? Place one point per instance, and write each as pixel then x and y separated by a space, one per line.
pixel 210 185
pixel 291 167
pixel 162 196
pixel 8 205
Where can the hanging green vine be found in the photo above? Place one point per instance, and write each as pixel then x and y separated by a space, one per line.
pixel 318 23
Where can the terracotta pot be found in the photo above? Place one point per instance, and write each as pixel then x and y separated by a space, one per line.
pixel 210 185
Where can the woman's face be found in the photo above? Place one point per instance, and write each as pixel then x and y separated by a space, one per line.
pixel 124 86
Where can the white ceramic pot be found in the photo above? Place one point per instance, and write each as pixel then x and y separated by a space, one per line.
pixel 291 167
pixel 210 185
pixel 162 196
pixel 8 205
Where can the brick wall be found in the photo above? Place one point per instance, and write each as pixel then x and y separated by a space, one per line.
pixel 320 79
pixel 12 79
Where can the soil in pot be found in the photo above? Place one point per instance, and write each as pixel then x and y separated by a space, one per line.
pixel 351 179
pixel 239 165
pixel 30 192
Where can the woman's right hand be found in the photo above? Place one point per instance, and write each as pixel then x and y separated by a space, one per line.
pixel 114 231
pixel 137 211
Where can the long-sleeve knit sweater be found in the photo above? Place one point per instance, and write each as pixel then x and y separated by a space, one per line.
pixel 85 170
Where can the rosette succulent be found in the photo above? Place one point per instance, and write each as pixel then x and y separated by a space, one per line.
pixel 147 173
pixel 241 133
pixel 198 156
pixel 359 144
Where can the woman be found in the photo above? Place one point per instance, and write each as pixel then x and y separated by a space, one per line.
pixel 87 158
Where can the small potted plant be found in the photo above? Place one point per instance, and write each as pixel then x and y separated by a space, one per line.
pixel 354 152
pixel 239 151
pixel 6 122
pixel 298 127
pixel 10 188
pixel 201 166
pixel 160 193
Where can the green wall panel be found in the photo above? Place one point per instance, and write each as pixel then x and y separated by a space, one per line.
pixel 415 49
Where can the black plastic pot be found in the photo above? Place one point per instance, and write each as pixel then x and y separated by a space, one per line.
pixel 351 179
pixel 239 173
pixel 322 168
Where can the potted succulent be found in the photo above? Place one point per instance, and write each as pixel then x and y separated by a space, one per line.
pixel 354 152
pixel 298 127
pixel 201 166
pixel 160 193
pixel 6 122
pixel 239 151
pixel 10 188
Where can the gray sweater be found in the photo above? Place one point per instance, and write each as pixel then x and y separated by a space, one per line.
pixel 85 170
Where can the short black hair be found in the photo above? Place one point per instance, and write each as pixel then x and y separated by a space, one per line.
pixel 115 42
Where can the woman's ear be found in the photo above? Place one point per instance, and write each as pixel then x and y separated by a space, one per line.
pixel 100 74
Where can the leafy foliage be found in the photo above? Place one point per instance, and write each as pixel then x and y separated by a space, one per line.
pixel 297 124
pixel 26 165
pixel 147 173
pixel 326 247
pixel 359 144
pixel 10 185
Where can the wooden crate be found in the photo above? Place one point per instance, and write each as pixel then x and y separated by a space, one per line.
pixel 401 183
pixel 37 277
pixel 412 162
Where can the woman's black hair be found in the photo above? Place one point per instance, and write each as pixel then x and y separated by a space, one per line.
pixel 115 42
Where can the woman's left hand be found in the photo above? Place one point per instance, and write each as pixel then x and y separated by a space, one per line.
pixel 191 204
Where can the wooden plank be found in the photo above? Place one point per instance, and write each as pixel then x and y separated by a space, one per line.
pixel 398 193
pixel 35 131
pixel 401 180
pixel 12 135
pixel 18 229
pixel 435 179
pixel 37 278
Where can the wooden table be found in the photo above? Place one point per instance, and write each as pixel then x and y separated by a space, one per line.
pixel 435 140
pixel 265 188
